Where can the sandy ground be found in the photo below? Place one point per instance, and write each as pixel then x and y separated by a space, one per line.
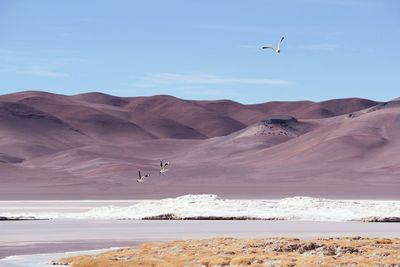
pixel 345 251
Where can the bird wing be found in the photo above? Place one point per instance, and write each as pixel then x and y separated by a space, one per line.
pixel 266 47
pixel 161 165
pixel 279 44
pixel 140 176
pixel 166 164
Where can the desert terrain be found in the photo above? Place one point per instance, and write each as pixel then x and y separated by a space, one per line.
pixel 90 146
pixel 345 251
pixel 332 161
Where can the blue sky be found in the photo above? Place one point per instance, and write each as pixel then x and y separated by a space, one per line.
pixel 207 49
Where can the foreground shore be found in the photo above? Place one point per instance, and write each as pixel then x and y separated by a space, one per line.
pixel 344 251
pixel 54 236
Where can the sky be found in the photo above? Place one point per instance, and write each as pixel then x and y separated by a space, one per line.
pixel 208 49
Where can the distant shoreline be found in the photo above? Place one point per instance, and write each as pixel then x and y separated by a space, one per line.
pixel 208 207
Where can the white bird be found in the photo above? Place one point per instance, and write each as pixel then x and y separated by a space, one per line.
pixel 277 50
pixel 141 177
pixel 163 167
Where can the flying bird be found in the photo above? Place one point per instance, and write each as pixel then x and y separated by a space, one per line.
pixel 163 167
pixel 141 177
pixel 277 50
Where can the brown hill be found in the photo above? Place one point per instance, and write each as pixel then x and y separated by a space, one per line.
pixel 28 132
pixel 92 145
pixel 203 121
pixel 315 110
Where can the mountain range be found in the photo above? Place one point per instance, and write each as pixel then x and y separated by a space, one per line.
pixel 91 146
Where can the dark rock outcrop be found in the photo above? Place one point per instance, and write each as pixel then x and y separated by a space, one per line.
pixel 381 219
pixel 170 216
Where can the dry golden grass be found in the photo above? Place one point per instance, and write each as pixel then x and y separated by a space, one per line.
pixel 250 252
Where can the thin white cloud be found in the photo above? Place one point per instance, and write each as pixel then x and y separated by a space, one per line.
pixel 40 64
pixel 44 73
pixel 210 79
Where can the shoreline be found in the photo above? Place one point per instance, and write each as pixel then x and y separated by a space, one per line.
pixel 33 237
pixel 46 259
pixel 62 246
pixel 228 251
pixel 173 217
pixel 86 225
pixel 279 251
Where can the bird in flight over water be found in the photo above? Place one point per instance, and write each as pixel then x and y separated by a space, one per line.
pixel 163 167
pixel 277 50
pixel 141 177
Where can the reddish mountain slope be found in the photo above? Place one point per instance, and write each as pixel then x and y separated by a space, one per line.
pixel 314 110
pixel 206 122
pixel 92 145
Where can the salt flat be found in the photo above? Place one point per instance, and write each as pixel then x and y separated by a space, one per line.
pixel 96 224
pixel 207 205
